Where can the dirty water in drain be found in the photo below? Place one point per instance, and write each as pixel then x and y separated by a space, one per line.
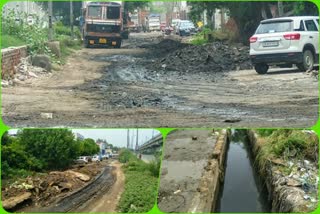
pixel 242 190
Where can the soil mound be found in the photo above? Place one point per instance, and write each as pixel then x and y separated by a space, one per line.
pixel 214 57
pixel 164 47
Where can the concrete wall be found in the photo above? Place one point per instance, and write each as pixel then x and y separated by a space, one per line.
pixel 212 177
pixel 10 57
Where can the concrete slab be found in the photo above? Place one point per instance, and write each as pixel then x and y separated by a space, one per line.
pixel 190 173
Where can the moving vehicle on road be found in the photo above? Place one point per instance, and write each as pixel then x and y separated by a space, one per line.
pixel 185 28
pixel 286 41
pixel 102 24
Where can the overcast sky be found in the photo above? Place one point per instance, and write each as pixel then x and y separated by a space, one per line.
pixel 117 137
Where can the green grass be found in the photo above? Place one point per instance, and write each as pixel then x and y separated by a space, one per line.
pixel 285 145
pixel 140 192
pixel 11 41
pixel 67 47
pixel 141 181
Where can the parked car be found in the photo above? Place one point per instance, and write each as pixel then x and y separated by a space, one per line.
pixel 96 158
pixel 285 41
pixel 82 159
pixel 174 23
pixel 185 28
pixel 105 156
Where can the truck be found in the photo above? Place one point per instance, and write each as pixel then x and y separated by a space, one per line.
pixel 101 24
pixel 135 23
pixel 153 23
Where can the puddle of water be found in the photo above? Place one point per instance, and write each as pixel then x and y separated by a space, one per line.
pixel 242 190
pixel 180 170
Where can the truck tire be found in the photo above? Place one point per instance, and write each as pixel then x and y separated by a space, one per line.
pixel 307 61
pixel 261 68
pixel 119 42
pixel 86 43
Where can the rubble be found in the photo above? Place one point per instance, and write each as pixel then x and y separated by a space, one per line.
pixel 213 57
pixel 23 72
pixel 46 115
pixel 43 189
pixel 16 200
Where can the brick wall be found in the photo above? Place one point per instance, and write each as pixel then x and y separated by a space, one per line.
pixel 10 57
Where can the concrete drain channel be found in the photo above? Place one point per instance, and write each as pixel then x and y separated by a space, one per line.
pixel 242 189
pixel 210 171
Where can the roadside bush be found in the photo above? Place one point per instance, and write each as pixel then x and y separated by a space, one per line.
pixel 140 192
pixel 55 148
pixel 287 144
pixel 126 155
pixel 265 132
pixel 207 35
pixel 34 35
pixel 11 41
pixel 141 182
pixel 60 29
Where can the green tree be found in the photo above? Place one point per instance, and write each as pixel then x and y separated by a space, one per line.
pixel 248 15
pixel 55 148
pixel 61 9
pixel 88 147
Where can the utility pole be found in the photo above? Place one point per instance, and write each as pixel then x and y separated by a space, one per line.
pixel 280 8
pixel 71 18
pixel 132 140
pixel 50 35
pixel 137 138
pixel 128 139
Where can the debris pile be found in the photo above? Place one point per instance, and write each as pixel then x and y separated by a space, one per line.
pixel 24 71
pixel 296 181
pixel 213 57
pixel 164 47
pixel 42 190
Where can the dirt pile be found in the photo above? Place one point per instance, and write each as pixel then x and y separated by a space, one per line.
pixel 214 57
pixel 164 47
pixel 44 189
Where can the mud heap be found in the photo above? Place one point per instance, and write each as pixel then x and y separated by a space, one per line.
pixel 42 190
pixel 164 47
pixel 213 57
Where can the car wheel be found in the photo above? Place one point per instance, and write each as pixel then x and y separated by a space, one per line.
pixel 261 68
pixel 307 61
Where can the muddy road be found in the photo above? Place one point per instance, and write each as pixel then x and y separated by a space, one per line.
pixel 101 195
pixel 126 88
pixel 107 200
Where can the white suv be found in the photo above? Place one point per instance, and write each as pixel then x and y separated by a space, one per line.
pixel 285 41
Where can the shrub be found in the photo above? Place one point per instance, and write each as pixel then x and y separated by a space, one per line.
pixel 140 192
pixel 35 35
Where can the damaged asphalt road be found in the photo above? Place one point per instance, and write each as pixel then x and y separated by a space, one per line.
pixel 147 84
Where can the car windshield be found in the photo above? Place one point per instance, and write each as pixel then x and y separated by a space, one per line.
pixel 274 27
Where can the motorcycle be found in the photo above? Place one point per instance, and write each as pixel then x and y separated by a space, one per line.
pixel 168 30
